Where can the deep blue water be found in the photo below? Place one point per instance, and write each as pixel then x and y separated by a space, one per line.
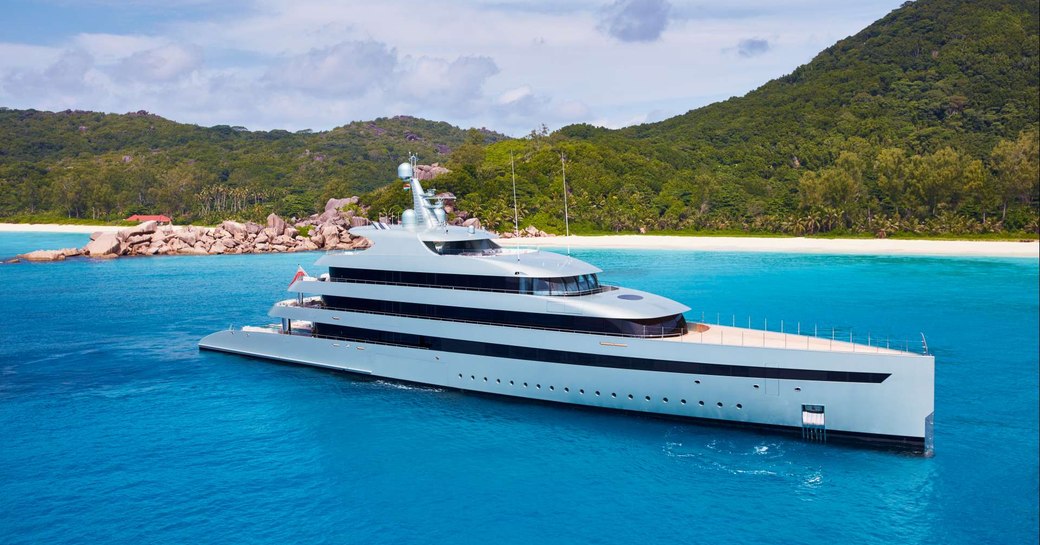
pixel 114 428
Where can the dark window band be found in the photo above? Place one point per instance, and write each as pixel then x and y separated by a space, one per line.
pixel 582 284
pixel 592 360
pixel 652 327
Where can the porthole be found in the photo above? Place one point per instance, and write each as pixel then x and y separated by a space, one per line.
pixel 797 389
pixel 485 379
pixel 498 381
pixel 568 390
pixel 525 385
pixel 613 395
pixel 696 382
pixel 539 386
pixel 719 404
pixel 597 393
pixel 701 403
pixel 739 406
pixel 647 398
pixel 552 388
pixel 460 375
pixel 682 401
pixel 756 386
pixel 664 399
pixel 629 396
pixel 582 391
pixel 471 377
pixel 510 383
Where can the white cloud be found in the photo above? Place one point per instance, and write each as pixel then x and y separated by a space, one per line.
pixel 67 74
pixel 345 69
pixel 110 48
pixel 514 95
pixel 15 57
pixel 427 79
pixel 506 65
pixel 163 63
pixel 572 111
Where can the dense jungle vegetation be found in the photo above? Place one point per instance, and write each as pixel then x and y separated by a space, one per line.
pixel 924 123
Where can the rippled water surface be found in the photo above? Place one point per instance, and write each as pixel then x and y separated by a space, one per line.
pixel 114 428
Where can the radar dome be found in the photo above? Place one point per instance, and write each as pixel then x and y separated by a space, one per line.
pixel 408 217
pixel 404 171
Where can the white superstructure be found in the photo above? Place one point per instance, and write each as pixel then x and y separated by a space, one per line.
pixel 443 305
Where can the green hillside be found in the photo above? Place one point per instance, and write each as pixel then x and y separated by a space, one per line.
pixel 924 122
pixel 106 166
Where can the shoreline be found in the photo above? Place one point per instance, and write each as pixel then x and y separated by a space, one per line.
pixel 906 247
pixel 835 246
pixel 59 228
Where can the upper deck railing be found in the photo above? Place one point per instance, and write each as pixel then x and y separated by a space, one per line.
pixel 844 338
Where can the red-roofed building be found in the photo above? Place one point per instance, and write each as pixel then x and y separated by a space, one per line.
pixel 143 218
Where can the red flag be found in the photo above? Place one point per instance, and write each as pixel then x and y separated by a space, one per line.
pixel 299 274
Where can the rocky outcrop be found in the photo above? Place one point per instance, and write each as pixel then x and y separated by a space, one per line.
pixel 234 229
pixel 51 255
pixel 275 224
pixel 230 237
pixel 336 204
pixel 147 227
pixel 106 244
pixel 529 231
pixel 429 172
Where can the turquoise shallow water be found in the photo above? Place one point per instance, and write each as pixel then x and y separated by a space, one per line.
pixel 114 428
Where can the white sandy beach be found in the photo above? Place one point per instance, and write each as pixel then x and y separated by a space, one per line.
pixel 55 228
pixel 796 245
pixel 967 248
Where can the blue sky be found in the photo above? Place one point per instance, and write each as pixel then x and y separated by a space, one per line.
pixel 509 65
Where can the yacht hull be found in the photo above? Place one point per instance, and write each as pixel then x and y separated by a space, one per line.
pixel 888 414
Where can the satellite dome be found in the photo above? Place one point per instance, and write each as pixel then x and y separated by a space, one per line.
pixel 404 171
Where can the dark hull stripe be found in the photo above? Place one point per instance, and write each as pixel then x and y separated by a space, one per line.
pixel 476 348
pixel 874 440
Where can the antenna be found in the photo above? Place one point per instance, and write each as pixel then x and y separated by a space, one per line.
pixel 566 214
pixel 516 215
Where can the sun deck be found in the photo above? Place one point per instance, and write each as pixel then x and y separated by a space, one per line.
pixel 738 336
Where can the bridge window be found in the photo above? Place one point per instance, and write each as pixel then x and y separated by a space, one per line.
pixel 480 246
